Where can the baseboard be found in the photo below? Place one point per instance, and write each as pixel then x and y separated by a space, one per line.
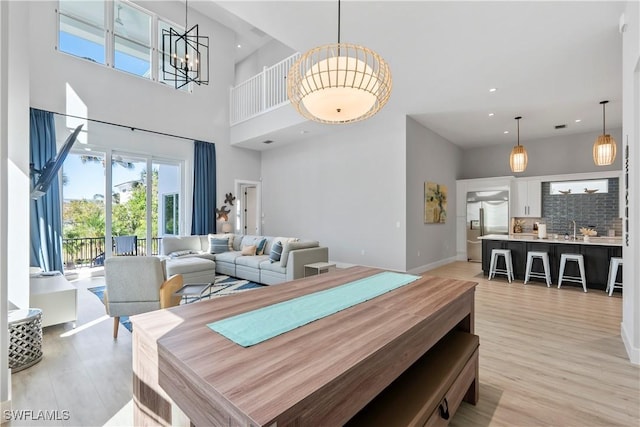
pixel 632 352
pixel 432 265
pixel 343 264
pixel 5 407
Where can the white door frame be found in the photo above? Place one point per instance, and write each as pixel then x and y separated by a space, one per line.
pixel 239 215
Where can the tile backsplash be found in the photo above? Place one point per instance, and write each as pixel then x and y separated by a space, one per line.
pixel 598 210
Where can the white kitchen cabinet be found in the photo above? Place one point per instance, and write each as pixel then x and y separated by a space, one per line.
pixel 526 198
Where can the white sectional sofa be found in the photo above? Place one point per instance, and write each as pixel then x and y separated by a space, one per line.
pixel 195 258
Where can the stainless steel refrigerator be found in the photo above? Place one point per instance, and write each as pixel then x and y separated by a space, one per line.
pixel 487 213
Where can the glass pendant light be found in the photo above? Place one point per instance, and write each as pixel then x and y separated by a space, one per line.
pixel 604 149
pixel 339 83
pixel 518 158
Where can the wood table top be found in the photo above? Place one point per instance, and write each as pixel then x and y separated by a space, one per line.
pixel 216 381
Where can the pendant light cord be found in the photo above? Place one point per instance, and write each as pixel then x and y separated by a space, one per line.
pixel 518 121
pixel 603 121
pixel 186 14
pixel 338 21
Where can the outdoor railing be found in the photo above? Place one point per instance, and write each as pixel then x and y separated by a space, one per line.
pixel 89 251
pixel 262 92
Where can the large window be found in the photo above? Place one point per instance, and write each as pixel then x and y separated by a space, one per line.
pixel 116 33
pixel 143 206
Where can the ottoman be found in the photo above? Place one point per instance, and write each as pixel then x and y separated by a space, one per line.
pixel 193 269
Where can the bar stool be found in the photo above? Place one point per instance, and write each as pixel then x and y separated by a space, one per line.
pixel 576 258
pixel 614 264
pixel 531 255
pixel 506 253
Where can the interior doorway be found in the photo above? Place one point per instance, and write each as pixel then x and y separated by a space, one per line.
pixel 248 208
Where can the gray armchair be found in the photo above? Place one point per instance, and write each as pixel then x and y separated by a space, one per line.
pixel 137 285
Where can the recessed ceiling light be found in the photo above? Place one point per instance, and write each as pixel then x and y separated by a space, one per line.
pixel 493 89
pixel 302 132
pixel 578 120
pixel 87 149
pixel 491 114
pixel 505 132
pixel 239 46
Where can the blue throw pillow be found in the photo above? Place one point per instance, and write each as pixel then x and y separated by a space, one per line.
pixel 218 246
pixel 276 252
pixel 260 244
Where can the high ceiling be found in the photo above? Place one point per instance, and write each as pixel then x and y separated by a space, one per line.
pixel 552 62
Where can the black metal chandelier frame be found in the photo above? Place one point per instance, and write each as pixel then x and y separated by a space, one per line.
pixel 186 52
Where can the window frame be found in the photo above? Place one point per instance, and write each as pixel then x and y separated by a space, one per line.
pixel 152 41
pixel 84 21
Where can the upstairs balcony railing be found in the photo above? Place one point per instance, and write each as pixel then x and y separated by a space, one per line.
pixel 261 93
pixel 89 251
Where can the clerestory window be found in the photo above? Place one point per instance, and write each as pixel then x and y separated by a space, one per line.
pixel 115 33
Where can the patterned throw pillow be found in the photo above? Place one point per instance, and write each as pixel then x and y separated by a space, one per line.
pixel 276 251
pixel 218 246
pixel 227 236
pixel 249 250
pixel 261 243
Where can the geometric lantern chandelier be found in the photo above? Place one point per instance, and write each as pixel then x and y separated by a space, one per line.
pixel 339 83
pixel 518 159
pixel 604 149
pixel 188 55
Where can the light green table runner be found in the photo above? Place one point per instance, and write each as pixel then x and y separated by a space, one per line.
pixel 255 326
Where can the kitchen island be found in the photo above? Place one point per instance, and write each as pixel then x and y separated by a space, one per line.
pixel 597 252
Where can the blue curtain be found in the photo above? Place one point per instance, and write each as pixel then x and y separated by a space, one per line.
pixel 45 213
pixel 203 220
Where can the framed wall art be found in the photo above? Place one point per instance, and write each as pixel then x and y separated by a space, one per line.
pixel 435 203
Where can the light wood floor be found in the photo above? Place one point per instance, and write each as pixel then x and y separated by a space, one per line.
pixel 548 357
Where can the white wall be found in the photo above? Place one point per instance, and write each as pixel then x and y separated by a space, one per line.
pixel 14 176
pixel 269 54
pixel 5 373
pixel 346 190
pixel 429 158
pixel 118 97
pixel 572 154
pixel 18 152
pixel 630 328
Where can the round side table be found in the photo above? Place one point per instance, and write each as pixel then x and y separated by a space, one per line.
pixel 25 338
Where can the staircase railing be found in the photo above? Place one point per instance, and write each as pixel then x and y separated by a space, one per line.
pixel 261 93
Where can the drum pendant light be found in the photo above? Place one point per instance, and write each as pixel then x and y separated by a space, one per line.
pixel 518 158
pixel 339 83
pixel 604 149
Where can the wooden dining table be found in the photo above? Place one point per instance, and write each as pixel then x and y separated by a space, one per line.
pixel 321 373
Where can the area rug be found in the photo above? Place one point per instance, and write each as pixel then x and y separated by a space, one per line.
pixel 224 285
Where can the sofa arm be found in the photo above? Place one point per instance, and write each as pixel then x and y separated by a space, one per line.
pixel 301 257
